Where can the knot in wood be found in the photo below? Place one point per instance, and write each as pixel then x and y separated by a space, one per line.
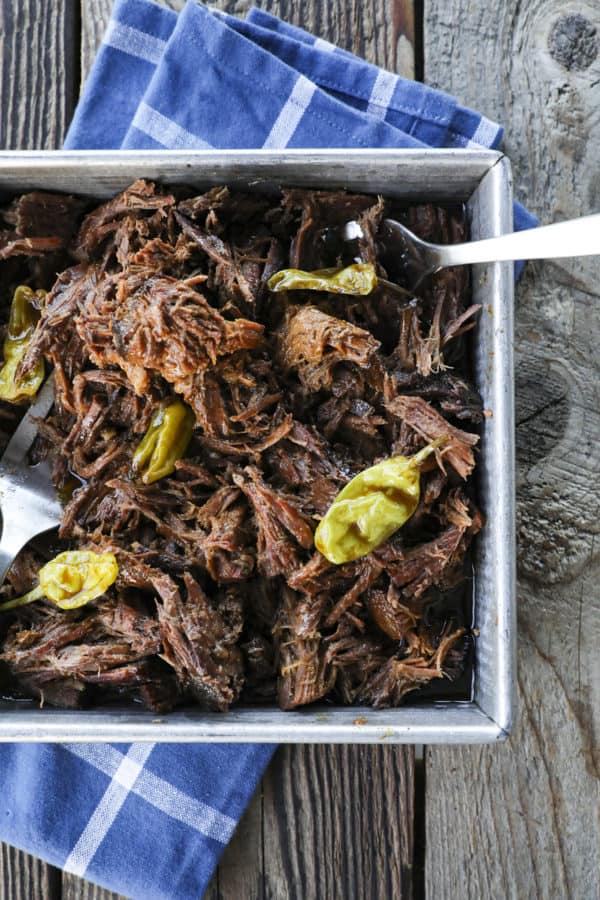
pixel 573 42
pixel 542 412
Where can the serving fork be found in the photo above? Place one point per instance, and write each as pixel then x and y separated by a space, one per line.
pixel 28 500
pixel 418 258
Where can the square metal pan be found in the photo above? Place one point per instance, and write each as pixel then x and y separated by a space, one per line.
pixel 482 180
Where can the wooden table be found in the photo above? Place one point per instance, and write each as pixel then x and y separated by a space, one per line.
pixel 519 820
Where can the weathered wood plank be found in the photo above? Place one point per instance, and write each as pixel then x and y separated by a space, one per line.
pixel 37 54
pixel 339 823
pixel 36 73
pixel 74 888
pixel 521 820
pixel 23 877
pixel 240 872
pixel 383 31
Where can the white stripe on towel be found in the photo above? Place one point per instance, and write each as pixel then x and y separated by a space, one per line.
pixel 485 134
pixel 290 115
pixel 322 44
pixel 106 812
pixel 174 803
pixel 160 793
pixel 165 131
pixel 133 41
pixel 381 94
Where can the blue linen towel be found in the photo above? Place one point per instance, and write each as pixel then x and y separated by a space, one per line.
pixel 159 80
pixel 147 820
pixel 150 820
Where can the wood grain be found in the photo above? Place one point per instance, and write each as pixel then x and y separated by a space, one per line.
pixel 521 820
pixel 36 72
pixel 74 888
pixel 382 31
pixel 240 871
pixel 23 877
pixel 37 98
pixel 338 823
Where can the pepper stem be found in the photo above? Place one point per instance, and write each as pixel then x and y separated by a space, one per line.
pixel 426 451
pixel 35 594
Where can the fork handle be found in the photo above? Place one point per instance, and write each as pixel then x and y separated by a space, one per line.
pixel 10 545
pixel 575 237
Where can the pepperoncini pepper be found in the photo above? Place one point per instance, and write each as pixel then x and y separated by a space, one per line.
pixel 358 279
pixel 165 442
pixel 372 506
pixel 72 579
pixel 24 314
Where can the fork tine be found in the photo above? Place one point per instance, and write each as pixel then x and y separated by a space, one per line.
pixel 27 430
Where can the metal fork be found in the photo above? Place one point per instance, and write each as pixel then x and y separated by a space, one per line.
pixel 28 500
pixel 575 237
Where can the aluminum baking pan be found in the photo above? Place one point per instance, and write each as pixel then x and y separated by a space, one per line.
pixel 482 180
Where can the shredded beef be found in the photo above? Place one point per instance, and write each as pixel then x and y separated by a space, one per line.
pixel 454 396
pixel 304 673
pixel 27 246
pixel 431 425
pixel 427 656
pixel 138 200
pixel 167 327
pixel 75 649
pixel 41 225
pixel 228 274
pixel 281 527
pixel 200 642
pixel 221 596
pixel 312 343
pixel 41 214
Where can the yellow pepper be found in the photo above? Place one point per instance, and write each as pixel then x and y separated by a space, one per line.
pixel 72 579
pixel 24 314
pixel 358 279
pixel 165 442
pixel 371 507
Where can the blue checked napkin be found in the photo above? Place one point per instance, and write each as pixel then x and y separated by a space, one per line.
pixel 151 820
pixel 160 79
